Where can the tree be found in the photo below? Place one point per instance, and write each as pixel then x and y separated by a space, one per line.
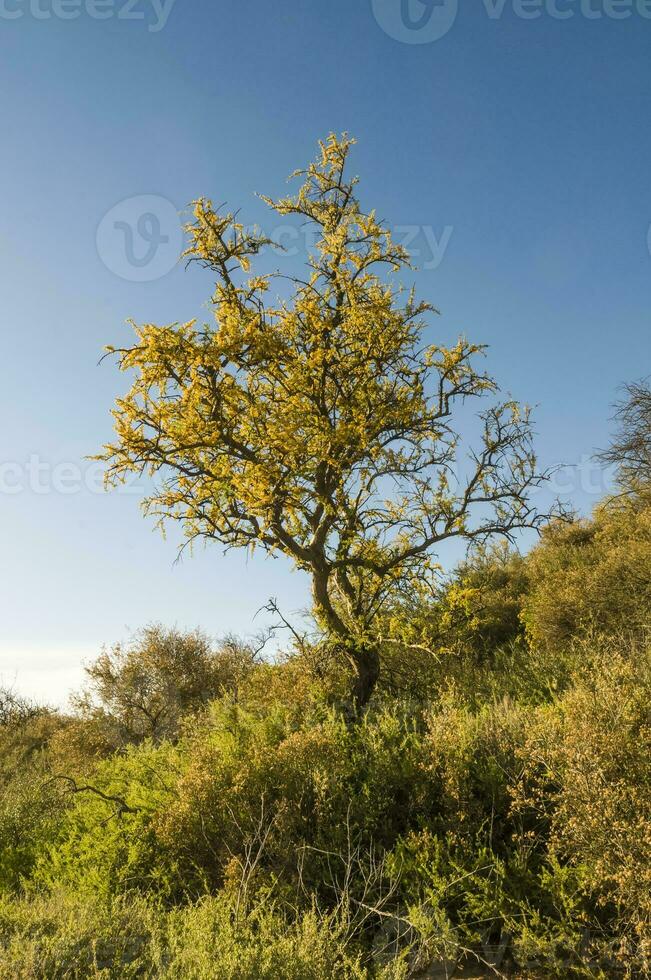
pixel 16 710
pixel 630 450
pixel 319 425
pixel 144 689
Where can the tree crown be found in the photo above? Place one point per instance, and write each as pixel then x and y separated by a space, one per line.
pixel 319 425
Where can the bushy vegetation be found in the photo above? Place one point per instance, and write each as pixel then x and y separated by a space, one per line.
pixel 491 809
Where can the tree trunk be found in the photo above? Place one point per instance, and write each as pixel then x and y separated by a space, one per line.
pixel 365 659
pixel 367 666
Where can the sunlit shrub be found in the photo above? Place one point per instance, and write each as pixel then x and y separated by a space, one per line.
pixel 592 575
pixel 588 775
pixel 30 804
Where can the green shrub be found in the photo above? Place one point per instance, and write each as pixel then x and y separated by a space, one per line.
pixel 592 575
pixel 30 805
pixel 588 774
pixel 105 843
pixel 63 936
pixel 66 936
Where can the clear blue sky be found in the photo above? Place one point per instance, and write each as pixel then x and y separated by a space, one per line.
pixel 528 138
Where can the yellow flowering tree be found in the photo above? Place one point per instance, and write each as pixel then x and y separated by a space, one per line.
pixel 319 425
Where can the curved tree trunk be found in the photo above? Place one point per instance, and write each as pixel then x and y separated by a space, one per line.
pixel 367 666
pixel 365 659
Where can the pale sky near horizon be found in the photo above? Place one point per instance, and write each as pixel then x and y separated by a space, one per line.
pixel 507 143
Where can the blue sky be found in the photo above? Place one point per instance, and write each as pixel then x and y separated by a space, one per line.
pixel 513 150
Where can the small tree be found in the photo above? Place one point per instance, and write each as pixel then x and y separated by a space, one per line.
pixel 319 425
pixel 145 689
pixel 630 449
pixel 16 710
